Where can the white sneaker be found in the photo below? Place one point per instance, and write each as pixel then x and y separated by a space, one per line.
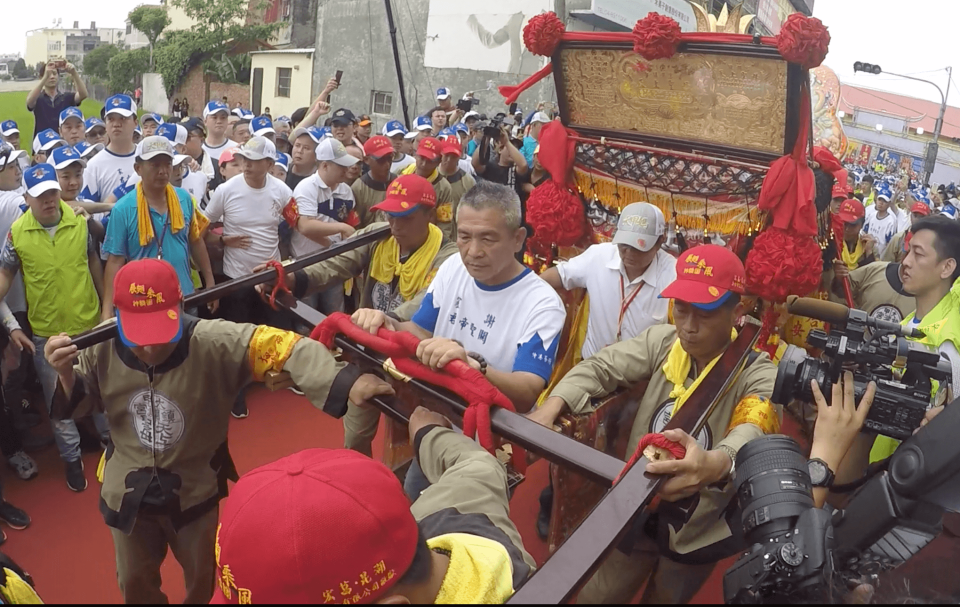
pixel 24 465
pixel 295 390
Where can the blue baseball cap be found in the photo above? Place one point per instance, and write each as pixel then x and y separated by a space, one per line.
pixel 311 131
pixel 283 161
pixel 283 119
pixel 176 133
pixel 71 112
pixel 41 178
pixel 9 154
pixel 8 127
pixel 260 126
pixel 443 93
pixel 214 107
pixel 138 130
pixel 422 123
pixel 63 157
pixel 151 116
pixel 46 140
pixel 461 128
pixel 325 132
pixel 86 149
pixel 394 127
pixel 120 104
pixel 93 123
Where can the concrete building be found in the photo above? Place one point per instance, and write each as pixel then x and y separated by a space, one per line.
pixel 465 46
pixel 71 44
pixel 896 129
pixel 298 28
pixel 281 80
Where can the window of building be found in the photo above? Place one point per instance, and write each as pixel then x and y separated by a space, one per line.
pixel 284 75
pixel 381 102
pixel 129 29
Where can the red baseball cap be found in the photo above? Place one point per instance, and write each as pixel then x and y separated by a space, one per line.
pixel 920 208
pixel 429 148
pixel 320 526
pixel 851 210
pixel 378 146
pixel 405 194
pixel 705 275
pixel 451 145
pixel 147 296
pixel 840 191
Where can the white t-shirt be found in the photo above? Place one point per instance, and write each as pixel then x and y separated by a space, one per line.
pixel 315 199
pixel 599 271
pixel 882 230
pixel 12 206
pixel 214 152
pixel 105 173
pixel 903 220
pixel 196 184
pixel 399 165
pixel 467 167
pixel 256 213
pixel 515 326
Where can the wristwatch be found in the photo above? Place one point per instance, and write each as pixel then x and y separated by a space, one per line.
pixel 733 458
pixel 480 359
pixel 821 476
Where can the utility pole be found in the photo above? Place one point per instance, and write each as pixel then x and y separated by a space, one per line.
pixel 933 148
pixel 396 61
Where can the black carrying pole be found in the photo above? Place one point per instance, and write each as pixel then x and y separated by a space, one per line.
pixel 396 62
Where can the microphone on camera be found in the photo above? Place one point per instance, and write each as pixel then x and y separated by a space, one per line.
pixel 841 315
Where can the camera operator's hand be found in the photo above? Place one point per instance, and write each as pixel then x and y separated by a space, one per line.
pixel 697 469
pixel 839 423
pixel 932 413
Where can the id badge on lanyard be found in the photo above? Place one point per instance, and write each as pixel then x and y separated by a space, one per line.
pixel 624 305
pixel 164 233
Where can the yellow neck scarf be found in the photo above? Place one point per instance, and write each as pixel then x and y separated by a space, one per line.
pixel 480 571
pixel 409 170
pixel 677 368
pixel 415 273
pixel 145 224
pixel 852 259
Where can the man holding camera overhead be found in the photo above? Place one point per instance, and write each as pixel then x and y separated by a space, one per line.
pixel 44 100
pixel 678 548
pixel 497 159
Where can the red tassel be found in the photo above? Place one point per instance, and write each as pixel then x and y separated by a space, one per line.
pixel 512 93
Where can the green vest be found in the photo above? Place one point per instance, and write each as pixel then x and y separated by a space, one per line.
pixel 940 325
pixel 61 296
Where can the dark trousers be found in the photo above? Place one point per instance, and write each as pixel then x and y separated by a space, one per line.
pixel 246 306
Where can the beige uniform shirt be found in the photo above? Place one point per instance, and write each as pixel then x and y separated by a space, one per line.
pixel 460 183
pixel 368 193
pixel 873 294
pixel 692 530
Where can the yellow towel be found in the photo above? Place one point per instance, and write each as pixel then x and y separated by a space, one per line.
pixel 677 368
pixel 18 592
pixel 145 224
pixel 852 260
pixel 480 571
pixel 415 273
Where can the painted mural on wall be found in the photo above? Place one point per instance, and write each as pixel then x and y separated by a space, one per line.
pixel 484 36
pixel 827 129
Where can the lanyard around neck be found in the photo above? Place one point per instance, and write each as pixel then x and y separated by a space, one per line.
pixel 625 302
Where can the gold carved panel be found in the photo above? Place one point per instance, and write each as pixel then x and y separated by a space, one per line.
pixel 724 100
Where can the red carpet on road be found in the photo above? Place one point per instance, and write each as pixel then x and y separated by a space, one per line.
pixel 68 549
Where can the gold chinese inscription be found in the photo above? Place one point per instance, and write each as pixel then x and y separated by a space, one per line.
pixel 723 100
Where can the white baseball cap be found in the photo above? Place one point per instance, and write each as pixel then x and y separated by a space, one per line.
pixel 331 150
pixel 258 148
pixel 180 159
pixel 153 146
pixel 641 225
pixel 540 117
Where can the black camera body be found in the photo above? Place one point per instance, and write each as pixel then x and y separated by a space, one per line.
pixel 467 105
pixel 881 353
pixel 492 128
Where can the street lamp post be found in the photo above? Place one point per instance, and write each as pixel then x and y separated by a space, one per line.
pixel 933 147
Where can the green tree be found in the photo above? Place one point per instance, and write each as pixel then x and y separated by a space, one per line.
pixel 20 70
pixel 96 63
pixel 126 69
pixel 151 20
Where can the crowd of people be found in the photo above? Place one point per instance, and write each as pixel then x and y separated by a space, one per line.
pixel 124 215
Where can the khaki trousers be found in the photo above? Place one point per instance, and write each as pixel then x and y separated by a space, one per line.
pixel 140 554
pixel 620 578
pixel 360 428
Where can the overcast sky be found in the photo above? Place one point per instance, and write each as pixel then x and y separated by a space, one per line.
pixel 915 37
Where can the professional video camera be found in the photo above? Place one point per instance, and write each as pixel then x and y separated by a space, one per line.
pixel 492 128
pixel 902 369
pixel 802 554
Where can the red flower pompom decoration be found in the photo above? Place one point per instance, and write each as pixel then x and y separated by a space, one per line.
pixel 556 216
pixel 542 34
pixel 804 40
pixel 782 264
pixel 656 37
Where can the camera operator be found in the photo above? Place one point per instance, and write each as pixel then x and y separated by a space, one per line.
pixel 499 160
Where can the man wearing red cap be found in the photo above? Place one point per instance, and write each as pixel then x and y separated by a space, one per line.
pixel 398 271
pixel 371 188
pixel 857 248
pixel 168 463
pixel 429 154
pixel 358 539
pixel 460 183
pixel 693 531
